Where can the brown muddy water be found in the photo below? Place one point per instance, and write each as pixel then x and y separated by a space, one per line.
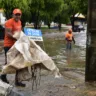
pixel 55 46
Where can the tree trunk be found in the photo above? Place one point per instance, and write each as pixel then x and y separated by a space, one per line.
pixel 49 25
pixel 35 25
pixel 72 22
pixel 59 26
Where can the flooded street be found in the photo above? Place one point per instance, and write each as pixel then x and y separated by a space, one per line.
pixel 73 81
pixel 71 65
pixel 56 48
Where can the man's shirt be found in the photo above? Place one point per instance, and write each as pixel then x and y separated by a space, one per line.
pixel 11 24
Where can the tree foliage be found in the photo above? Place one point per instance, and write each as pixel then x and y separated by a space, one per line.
pixel 9 5
pixel 45 10
pixel 55 8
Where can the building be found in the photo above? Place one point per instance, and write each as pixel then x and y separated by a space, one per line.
pixel 2 22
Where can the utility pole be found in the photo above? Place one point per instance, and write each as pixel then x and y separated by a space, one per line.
pixel 90 74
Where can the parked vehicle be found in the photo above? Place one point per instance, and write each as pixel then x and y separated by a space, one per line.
pixel 78 28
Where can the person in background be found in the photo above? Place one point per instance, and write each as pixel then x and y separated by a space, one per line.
pixel 11 26
pixel 69 38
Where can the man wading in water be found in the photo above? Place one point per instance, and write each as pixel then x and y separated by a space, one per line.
pixel 69 38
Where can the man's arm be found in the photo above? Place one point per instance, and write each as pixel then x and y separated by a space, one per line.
pixel 73 40
pixel 8 31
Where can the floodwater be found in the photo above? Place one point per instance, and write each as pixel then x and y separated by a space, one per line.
pixel 55 45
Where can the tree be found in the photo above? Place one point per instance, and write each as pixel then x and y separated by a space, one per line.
pixel 47 10
pixel 36 7
pixel 62 16
pixel 9 5
pixel 52 8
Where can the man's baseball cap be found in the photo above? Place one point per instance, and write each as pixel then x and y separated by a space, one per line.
pixel 17 11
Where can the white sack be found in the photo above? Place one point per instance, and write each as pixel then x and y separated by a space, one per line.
pixel 24 53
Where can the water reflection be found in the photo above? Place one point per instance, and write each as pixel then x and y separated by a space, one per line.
pixel 68 55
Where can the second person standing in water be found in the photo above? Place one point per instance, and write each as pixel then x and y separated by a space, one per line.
pixel 69 38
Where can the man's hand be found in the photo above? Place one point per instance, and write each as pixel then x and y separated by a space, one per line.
pixel 73 40
pixel 9 33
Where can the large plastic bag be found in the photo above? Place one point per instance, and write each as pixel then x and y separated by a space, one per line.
pixel 26 53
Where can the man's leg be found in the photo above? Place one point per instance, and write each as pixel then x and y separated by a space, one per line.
pixel 67 45
pixel 17 82
pixel 3 76
pixel 70 46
